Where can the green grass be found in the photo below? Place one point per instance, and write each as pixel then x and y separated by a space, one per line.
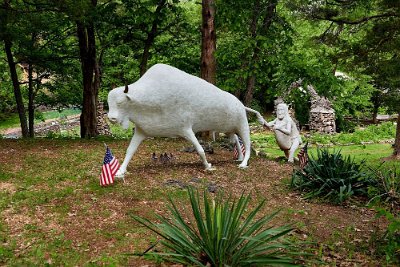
pixel 54 114
pixel 373 153
pixel 12 120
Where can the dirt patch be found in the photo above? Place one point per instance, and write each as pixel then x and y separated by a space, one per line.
pixel 7 187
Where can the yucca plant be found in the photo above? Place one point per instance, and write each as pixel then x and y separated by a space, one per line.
pixel 221 233
pixel 331 176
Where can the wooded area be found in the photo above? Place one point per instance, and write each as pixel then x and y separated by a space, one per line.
pixel 72 53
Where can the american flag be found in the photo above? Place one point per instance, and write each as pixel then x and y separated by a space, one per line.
pixel 303 156
pixel 109 169
pixel 235 150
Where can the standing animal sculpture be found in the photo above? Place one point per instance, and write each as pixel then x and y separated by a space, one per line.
pixel 167 102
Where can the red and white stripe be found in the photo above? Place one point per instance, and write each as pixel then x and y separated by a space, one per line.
pixel 108 172
pixel 242 148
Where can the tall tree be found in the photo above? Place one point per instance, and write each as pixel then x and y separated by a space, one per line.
pixel 151 35
pixel 269 13
pixel 376 48
pixel 90 73
pixel 83 14
pixel 251 33
pixel 6 15
pixel 208 66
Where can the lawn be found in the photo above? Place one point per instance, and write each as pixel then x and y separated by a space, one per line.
pixel 12 120
pixel 54 212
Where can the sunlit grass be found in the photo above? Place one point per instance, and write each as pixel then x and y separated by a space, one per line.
pixel 12 121
pixel 373 154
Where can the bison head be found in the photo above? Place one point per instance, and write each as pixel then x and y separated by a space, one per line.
pixel 118 102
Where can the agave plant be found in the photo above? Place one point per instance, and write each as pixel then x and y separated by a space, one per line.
pixel 221 233
pixel 331 176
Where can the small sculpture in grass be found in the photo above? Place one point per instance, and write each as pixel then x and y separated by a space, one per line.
pixel 286 133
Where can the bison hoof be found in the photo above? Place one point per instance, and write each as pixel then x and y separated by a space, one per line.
pixel 120 174
pixel 242 166
pixel 210 168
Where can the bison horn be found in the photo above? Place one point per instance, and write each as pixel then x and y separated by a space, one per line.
pixel 126 89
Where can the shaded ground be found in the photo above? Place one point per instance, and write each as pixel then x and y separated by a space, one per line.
pixel 54 211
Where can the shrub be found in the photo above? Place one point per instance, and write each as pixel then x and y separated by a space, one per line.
pixel 390 242
pixel 331 176
pixel 220 234
pixel 386 188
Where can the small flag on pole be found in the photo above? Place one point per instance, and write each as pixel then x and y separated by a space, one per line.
pixel 109 169
pixel 303 156
pixel 242 148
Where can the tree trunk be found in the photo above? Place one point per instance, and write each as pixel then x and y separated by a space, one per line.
pixel 208 65
pixel 31 108
pixel 150 37
pixel 396 151
pixel 251 79
pixel 87 49
pixel 267 21
pixel 250 84
pixel 17 89
pixel 375 116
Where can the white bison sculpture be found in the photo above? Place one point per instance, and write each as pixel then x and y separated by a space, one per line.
pixel 168 102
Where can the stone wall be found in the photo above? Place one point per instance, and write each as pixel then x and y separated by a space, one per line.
pixel 102 126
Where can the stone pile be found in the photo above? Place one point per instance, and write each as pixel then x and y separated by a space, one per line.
pixel 102 126
pixel 322 114
pixel 56 126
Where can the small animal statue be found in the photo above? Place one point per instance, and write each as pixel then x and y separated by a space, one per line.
pixel 167 102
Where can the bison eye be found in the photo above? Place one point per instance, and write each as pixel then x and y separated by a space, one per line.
pixel 121 101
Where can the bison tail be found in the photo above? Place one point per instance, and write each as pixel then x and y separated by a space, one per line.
pixel 259 117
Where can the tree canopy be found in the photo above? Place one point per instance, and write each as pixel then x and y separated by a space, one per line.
pixel 348 50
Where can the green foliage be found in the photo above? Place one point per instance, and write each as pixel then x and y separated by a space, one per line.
pixel 331 176
pixel 222 234
pixel 247 47
pixel 390 243
pixel 386 189
pixel 39 116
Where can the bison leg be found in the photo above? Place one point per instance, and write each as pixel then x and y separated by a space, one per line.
pixel 190 136
pixel 235 140
pixel 137 138
pixel 244 133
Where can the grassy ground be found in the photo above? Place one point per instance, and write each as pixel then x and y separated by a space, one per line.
pixel 53 211
pixel 373 154
pixel 12 120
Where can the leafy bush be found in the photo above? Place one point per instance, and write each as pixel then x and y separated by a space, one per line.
pixel 331 176
pixel 220 235
pixel 39 116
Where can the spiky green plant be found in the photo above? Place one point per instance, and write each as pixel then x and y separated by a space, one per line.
pixel 386 188
pixel 331 176
pixel 221 233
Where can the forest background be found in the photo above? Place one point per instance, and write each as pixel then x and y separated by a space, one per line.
pixel 72 53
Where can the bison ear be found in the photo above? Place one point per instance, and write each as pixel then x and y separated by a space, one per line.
pixel 126 89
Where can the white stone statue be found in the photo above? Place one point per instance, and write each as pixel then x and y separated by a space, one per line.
pixel 168 102
pixel 286 133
